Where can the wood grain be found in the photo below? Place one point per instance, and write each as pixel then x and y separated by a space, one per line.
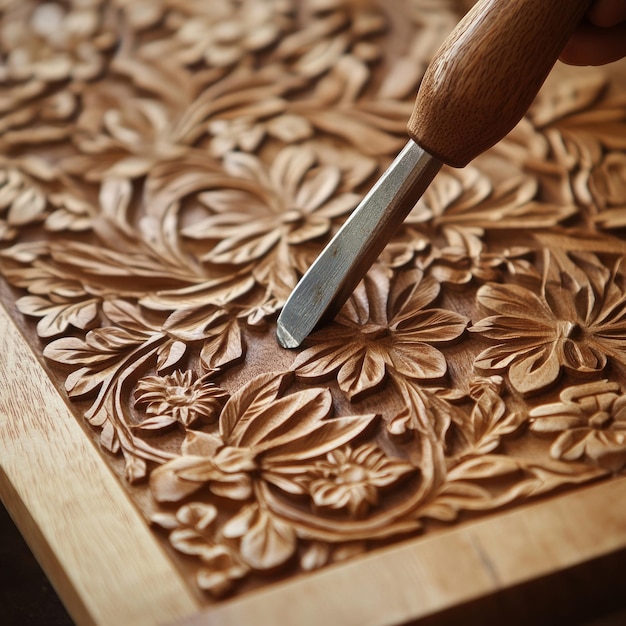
pixel 487 73
pixel 90 540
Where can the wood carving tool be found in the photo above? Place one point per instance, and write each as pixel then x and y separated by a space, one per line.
pixel 480 84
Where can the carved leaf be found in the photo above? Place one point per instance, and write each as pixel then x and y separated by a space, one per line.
pixel 157 422
pixel 170 355
pixel 56 317
pixel 489 420
pixel 424 410
pixel 167 486
pixel 224 347
pixel 215 293
pixel 294 427
pixel 268 542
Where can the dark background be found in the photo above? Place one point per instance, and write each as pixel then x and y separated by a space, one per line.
pixel 26 596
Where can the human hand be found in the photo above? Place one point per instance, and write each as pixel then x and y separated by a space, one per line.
pixel 601 38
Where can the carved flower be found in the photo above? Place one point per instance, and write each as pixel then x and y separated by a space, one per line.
pixel 50 42
pixel 466 257
pixel 193 533
pixel 346 33
pixel 385 325
pixel 468 198
pixel 569 325
pixel 127 134
pixel 226 31
pixel 590 420
pixel 583 123
pixel 246 133
pixel 242 132
pixel 181 398
pixel 350 479
pixel 258 210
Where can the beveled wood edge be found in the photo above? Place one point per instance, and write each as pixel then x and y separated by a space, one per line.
pixel 93 544
pixel 425 576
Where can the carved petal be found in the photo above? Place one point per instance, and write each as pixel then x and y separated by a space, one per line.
pixel 418 360
pixel 516 329
pixel 339 205
pixel 313 227
pixel 583 357
pixel 245 247
pixel 318 188
pixel 536 371
pixel 363 372
pixel 512 300
pixel 571 444
pixel 165 484
pixel 323 359
pixel 432 325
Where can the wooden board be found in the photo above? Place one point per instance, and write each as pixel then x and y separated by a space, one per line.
pixel 171 168
pixel 94 545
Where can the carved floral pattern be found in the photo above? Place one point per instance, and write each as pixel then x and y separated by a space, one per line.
pixel 365 341
pixel 172 167
pixel 570 325
pixel 352 478
pixel 590 420
pixel 178 398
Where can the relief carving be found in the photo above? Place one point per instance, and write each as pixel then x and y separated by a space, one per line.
pixel 170 170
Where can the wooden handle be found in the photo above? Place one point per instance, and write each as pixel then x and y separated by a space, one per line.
pixel 487 73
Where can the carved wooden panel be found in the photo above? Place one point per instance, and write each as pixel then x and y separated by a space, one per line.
pixel 170 168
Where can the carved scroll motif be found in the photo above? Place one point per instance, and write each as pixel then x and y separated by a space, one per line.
pixel 170 170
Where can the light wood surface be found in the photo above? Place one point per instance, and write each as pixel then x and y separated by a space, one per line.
pixel 487 73
pixel 91 541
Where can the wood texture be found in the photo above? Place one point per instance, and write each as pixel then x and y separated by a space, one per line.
pixel 170 170
pixel 486 75
pixel 87 535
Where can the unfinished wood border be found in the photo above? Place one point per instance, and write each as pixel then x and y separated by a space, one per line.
pixel 99 554
pixel 108 568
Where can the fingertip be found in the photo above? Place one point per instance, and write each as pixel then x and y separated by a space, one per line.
pixel 607 13
pixel 591 45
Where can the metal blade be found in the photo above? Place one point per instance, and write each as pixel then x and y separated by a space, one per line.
pixel 331 279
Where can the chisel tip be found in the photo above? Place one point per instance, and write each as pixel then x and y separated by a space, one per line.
pixel 285 338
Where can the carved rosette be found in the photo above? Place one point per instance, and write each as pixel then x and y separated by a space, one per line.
pixel 170 170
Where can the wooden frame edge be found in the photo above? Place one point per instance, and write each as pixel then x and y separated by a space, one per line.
pixel 91 541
